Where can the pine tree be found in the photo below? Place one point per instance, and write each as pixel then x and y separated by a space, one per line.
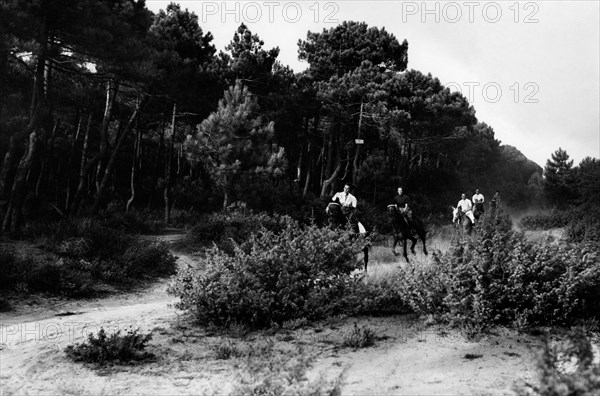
pixel 559 184
pixel 588 178
pixel 234 140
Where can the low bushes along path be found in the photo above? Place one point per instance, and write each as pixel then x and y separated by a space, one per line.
pixel 408 358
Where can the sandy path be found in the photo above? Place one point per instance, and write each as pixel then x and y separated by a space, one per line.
pixel 418 360
pixel 408 358
pixel 33 337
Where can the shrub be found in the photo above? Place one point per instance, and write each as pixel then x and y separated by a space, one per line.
pixel 233 227
pixel 226 350
pixel 44 274
pixel 583 380
pixel 549 219
pixel 131 222
pixel 68 277
pixel 272 278
pixel 422 287
pixel 585 229
pixel 105 348
pixel 359 337
pixel 85 253
pixel 9 268
pixel 499 277
pixel 115 257
pixel 381 296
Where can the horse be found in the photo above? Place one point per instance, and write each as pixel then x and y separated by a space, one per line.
pixel 478 210
pixel 337 218
pixel 402 231
pixel 462 221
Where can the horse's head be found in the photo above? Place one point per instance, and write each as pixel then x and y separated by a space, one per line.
pixel 334 211
pixel 455 214
pixel 396 218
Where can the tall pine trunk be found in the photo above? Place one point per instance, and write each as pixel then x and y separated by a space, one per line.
pixel 168 165
pixel 38 120
pixel 156 165
pixel 327 184
pixel 45 155
pixel 111 93
pixel 12 219
pixel 7 165
pixel 111 162
pixel 134 163
pixel 358 146
pixel 70 163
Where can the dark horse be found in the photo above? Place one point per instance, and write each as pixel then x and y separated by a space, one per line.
pixel 462 221
pixel 477 210
pixel 402 231
pixel 337 218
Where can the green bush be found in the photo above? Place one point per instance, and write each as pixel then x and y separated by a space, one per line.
pixel 9 268
pixel 549 219
pixel 422 288
pixel 585 229
pixel 114 255
pixel 272 278
pixel 377 296
pixel 499 277
pixel 226 350
pixel 63 276
pixel 583 380
pixel 358 337
pixel 233 227
pixel 105 348
pixel 85 254
pixel 133 222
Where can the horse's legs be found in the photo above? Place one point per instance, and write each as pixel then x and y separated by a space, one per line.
pixel 394 245
pixel 467 226
pixel 366 256
pixel 412 247
pixel 423 237
pixel 405 254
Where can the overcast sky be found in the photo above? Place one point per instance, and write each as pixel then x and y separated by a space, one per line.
pixel 531 69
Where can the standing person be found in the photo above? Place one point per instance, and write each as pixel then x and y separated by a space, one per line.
pixel 347 200
pixel 466 206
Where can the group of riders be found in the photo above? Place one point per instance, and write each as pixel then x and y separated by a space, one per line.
pixel 349 204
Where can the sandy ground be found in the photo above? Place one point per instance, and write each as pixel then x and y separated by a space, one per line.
pixel 408 358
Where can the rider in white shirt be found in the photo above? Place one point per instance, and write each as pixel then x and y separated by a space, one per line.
pixel 467 207
pixel 347 200
pixel 478 197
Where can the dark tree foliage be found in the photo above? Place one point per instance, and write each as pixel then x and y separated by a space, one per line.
pixel 560 183
pixel 247 61
pixel 101 99
pixel 342 49
pixel 588 181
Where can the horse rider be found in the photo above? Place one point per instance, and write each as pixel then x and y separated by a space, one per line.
pixel 466 206
pixel 347 200
pixel 401 201
pixel 478 198
pixel 495 199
